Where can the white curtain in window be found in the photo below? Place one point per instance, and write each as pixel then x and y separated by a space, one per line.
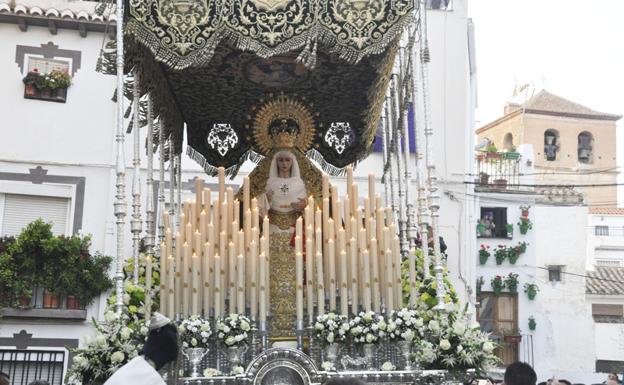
pixel 20 210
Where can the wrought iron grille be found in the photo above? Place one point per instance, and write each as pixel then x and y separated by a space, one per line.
pixel 24 366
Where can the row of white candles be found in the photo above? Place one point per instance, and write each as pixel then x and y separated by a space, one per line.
pixel 353 257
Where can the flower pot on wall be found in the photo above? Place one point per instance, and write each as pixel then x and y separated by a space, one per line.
pixel 500 183
pixel 59 94
pixel 24 301
pixel 50 301
pixel 513 339
pixel 72 302
pixel 30 90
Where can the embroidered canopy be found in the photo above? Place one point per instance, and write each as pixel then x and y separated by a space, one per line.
pixel 217 64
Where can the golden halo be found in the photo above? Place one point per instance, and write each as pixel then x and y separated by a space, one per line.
pixel 283 107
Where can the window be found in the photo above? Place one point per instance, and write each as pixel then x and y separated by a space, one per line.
pixel 24 366
pixel 601 230
pixel 439 4
pixel 493 222
pixel 554 273
pixel 551 144
pixel 585 144
pixel 508 142
pixel 19 210
pixel 47 65
pixel 497 314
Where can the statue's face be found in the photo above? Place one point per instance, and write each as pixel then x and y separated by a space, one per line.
pixel 284 164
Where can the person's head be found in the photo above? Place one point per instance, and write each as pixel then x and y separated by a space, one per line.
pixel 520 373
pixel 284 162
pixel 4 378
pixel 162 341
pixel 613 376
pixel 612 382
pixel 564 382
pixel 39 382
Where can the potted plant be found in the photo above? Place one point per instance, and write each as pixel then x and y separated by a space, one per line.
pixel 50 300
pixel 497 284
pixel 525 225
pixel 509 228
pixel 483 177
pixel 24 295
pixel 511 281
pixel 484 254
pixel 491 152
pixel 32 83
pixel 532 323
pixel 59 81
pixel 72 302
pixel 500 253
pixel 531 290
pixel 512 336
pixel 525 211
pixel 480 282
pixel 481 229
pixel 512 254
pixel 522 246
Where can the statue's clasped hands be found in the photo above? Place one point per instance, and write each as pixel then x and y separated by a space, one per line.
pixel 299 205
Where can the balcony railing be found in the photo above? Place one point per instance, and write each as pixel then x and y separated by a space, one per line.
pixel 498 170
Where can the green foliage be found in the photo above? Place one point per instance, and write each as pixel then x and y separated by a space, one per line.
pixel 61 265
pixel 426 287
pixel 134 296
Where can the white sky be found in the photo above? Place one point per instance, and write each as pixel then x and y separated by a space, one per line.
pixel 572 48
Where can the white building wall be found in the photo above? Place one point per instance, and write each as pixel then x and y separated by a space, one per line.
pixel 607 249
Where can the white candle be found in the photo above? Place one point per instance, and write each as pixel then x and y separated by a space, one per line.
pixel 232 277
pixel 299 283
pixel 320 286
pixel 199 187
pixel 202 226
pixel 332 274
pixel 389 300
pixel 206 277
pixel 163 278
pixel 354 276
pixel 217 288
pixel 253 300
pixel 344 288
pixel 171 304
pixel 195 279
pixel 207 200
pixel 366 303
pixel 186 297
pixel 262 294
pixel 246 201
pixel 309 272
pixel 178 274
pixel 375 264
pixel 240 300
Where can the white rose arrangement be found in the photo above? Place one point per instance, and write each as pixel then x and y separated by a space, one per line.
pixel 212 372
pixel 450 342
pixel 367 328
pixel 116 342
pixel 330 328
pixel 405 325
pixel 233 330
pixel 194 332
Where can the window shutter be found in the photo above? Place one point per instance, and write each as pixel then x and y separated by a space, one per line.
pixel 20 210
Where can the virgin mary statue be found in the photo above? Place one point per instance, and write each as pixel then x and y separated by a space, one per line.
pixel 282 183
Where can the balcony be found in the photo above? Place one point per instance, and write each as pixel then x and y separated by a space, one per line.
pixel 498 171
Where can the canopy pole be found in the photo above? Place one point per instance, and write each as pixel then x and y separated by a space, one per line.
pixel 434 195
pixel 423 207
pixel 388 158
pixel 120 162
pixel 150 220
pixel 136 222
pixel 396 149
pixel 161 176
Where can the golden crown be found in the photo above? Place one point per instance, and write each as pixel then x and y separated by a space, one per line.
pixel 283 134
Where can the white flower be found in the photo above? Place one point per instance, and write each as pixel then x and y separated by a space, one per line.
pixel 331 316
pixel 382 325
pixel 237 370
pixel 459 328
pixel 144 330
pixel 230 341
pixel 193 342
pixel 100 341
pixel 110 316
pixel 125 333
pixel 205 327
pixel 370 338
pixel 244 326
pixel 408 335
pixel 234 316
pixel 205 334
pixel 445 345
pixel 368 316
pixel 226 329
pixel 386 366
pixel 184 344
pixel 211 372
pixel 434 325
pixel 126 299
pixel 330 337
pixel 238 338
pixel 319 326
pixel 488 347
pixel 117 357
pixel 419 322
pixel 391 327
pixel 80 361
pixel 328 366
pixel 460 349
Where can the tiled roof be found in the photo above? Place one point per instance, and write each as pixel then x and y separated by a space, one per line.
pixel 605 280
pixel 72 10
pixel 546 102
pixel 606 210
